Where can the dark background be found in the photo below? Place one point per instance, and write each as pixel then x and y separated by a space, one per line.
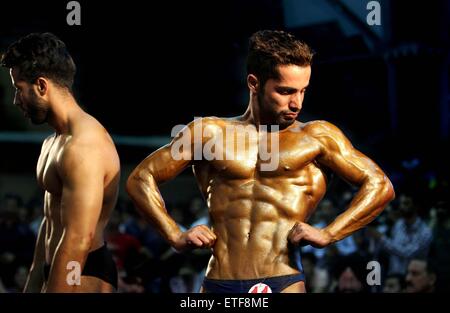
pixel 144 68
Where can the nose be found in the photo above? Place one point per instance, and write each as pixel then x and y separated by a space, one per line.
pixel 295 103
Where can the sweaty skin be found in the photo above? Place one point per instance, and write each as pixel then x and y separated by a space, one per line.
pixel 79 170
pixel 255 213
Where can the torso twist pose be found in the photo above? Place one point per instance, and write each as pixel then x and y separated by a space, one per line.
pixel 78 169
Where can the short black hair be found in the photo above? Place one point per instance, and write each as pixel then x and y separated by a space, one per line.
pixel 271 48
pixel 41 54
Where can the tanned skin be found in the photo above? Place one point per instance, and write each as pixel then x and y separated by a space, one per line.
pixel 255 214
pixel 79 170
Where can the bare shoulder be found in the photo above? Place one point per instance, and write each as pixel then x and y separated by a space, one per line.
pixel 207 124
pixel 325 132
pixel 86 131
pixel 210 121
pixel 87 139
pixel 320 128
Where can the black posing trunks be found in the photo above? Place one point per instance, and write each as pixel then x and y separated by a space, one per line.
pixel 99 263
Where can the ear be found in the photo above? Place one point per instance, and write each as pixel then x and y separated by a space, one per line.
pixel 42 86
pixel 252 83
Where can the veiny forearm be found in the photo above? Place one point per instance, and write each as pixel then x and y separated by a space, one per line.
pixel 143 190
pixel 371 199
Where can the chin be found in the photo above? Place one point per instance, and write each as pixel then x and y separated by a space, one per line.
pixel 283 123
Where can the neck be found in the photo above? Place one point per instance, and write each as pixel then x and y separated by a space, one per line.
pixel 63 108
pixel 253 114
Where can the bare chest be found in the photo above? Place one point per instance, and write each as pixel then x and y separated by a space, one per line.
pixel 267 155
pixel 47 167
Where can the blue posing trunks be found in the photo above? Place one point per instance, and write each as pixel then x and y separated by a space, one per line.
pixel 276 284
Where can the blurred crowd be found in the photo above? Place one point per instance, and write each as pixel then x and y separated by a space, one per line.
pixel 405 249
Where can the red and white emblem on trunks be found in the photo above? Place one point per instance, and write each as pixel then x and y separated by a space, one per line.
pixel 260 288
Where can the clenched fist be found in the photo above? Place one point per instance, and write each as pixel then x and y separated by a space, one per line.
pixel 197 237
